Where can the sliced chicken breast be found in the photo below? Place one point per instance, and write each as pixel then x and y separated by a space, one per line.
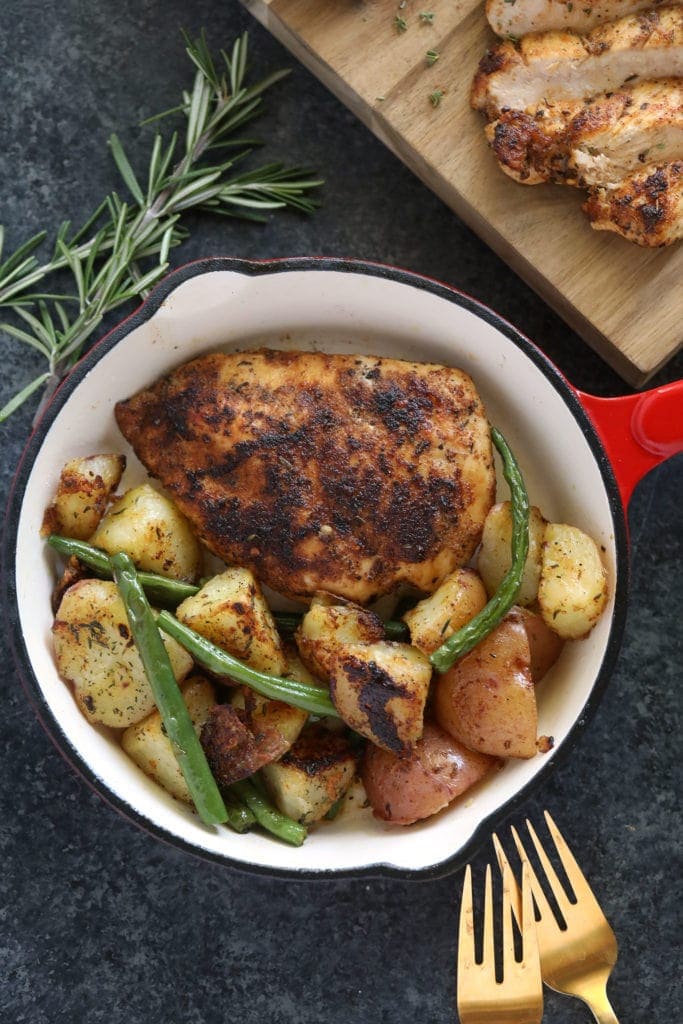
pixel 517 18
pixel 646 208
pixel 555 67
pixel 342 473
pixel 596 143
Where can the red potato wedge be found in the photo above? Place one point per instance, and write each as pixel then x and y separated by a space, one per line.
pixel 545 646
pixel 404 790
pixel 232 750
pixel 487 700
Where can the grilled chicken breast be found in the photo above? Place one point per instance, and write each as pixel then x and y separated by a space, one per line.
pixel 348 474
pixel 555 67
pixel 596 143
pixel 517 19
pixel 646 208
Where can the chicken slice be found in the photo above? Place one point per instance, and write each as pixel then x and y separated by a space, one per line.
pixel 646 208
pixel 348 474
pixel 509 18
pixel 596 143
pixel 554 67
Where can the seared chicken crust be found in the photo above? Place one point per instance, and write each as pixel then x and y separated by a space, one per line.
pixel 646 208
pixel 518 19
pixel 349 474
pixel 595 143
pixel 554 67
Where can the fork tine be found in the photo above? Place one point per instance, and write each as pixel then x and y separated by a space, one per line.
pixel 488 950
pixel 577 879
pixel 506 871
pixel 466 929
pixel 544 907
pixel 509 886
pixel 530 951
pixel 556 885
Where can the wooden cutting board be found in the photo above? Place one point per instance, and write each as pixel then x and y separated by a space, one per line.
pixel 625 301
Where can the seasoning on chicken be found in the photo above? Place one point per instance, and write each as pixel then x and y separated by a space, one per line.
pixel 646 208
pixel 594 143
pixel 342 473
pixel 517 19
pixel 553 67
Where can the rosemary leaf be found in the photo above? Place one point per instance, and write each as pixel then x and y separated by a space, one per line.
pixel 122 249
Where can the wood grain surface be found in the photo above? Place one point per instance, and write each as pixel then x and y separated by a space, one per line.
pixel 625 301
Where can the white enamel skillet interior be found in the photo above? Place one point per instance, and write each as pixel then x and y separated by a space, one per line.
pixel 336 306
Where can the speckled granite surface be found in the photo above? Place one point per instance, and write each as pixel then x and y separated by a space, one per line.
pixel 98 922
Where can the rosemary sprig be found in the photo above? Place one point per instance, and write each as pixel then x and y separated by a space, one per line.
pixel 123 248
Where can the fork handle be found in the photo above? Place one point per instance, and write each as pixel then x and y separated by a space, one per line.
pixel 601 1008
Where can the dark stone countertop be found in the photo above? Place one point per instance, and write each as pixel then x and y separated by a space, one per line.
pixel 101 922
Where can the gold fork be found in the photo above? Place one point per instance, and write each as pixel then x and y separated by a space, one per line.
pixel 518 998
pixel 577 960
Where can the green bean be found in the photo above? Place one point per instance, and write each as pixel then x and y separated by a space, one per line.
pixel 160 588
pixel 473 632
pixel 240 818
pixel 268 816
pixel 167 695
pixel 288 622
pixel 301 695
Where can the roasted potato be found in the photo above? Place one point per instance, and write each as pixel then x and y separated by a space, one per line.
pixel 545 646
pixel 487 699
pixel 312 776
pixel 495 556
pixel 155 534
pixel 148 745
pixel 95 651
pixel 572 593
pixel 380 690
pixel 438 769
pixel 459 598
pixel 326 627
pixel 85 486
pixel 231 611
pixel 233 751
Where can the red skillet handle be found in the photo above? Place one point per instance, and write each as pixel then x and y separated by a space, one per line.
pixel 638 431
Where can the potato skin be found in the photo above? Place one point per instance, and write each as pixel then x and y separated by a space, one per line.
pixel 458 599
pixel 231 611
pixel 85 486
pixel 487 699
pixel 545 646
pixel 403 790
pixel 95 651
pixel 148 745
pixel 572 593
pixel 312 776
pixel 495 556
pixel 155 534
pixel 328 626
pixel 380 690
pixel 233 751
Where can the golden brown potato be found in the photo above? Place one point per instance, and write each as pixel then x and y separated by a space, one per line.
pixel 329 625
pixel 495 553
pixel 459 598
pixel 312 776
pixel 85 486
pixel 155 534
pixel 149 746
pixel 439 769
pixel 572 593
pixel 95 651
pixel 231 611
pixel 487 699
pixel 380 690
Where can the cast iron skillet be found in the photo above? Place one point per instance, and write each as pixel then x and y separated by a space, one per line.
pixel 582 457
